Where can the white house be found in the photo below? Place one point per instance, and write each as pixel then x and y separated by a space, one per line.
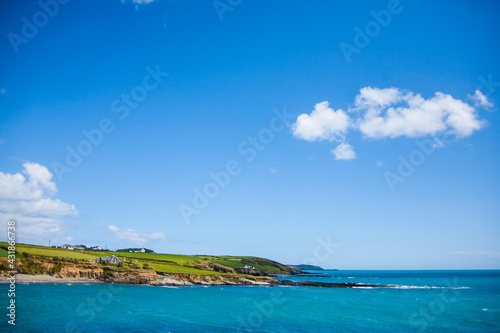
pixel 67 247
pixel 248 267
pixel 111 259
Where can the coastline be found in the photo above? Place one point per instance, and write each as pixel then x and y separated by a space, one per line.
pixel 185 281
pixel 42 278
pixel 162 280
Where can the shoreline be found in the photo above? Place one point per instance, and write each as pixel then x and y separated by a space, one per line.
pixel 169 281
pixel 41 278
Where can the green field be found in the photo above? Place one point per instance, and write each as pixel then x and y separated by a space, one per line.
pixel 3 253
pixel 176 258
pixel 181 269
pixel 52 252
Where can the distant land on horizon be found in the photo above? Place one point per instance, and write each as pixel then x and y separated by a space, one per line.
pixel 305 267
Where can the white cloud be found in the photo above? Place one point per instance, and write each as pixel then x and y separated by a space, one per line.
pixel 323 123
pixel 480 100
pixel 369 97
pixel 344 151
pixel 391 113
pixel 380 163
pixel 135 236
pixel 413 116
pixel 42 207
pixel 27 198
pixel 15 186
pixel 139 2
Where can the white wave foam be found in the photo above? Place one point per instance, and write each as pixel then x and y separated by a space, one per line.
pixel 425 287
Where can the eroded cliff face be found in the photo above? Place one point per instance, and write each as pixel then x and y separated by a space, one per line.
pixel 149 276
pixel 78 271
pixel 61 270
pixel 130 277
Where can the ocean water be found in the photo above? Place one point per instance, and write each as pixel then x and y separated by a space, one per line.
pixel 424 301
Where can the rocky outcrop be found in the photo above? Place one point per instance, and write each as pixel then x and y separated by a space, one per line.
pixel 130 277
pixel 182 279
pixel 80 271
pixel 212 266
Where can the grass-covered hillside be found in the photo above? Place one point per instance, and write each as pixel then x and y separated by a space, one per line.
pixel 167 263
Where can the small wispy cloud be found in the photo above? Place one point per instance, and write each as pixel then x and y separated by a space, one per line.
pixel 344 151
pixel 480 100
pixel 138 2
pixel 135 236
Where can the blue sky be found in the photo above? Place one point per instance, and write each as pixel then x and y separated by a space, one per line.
pixel 318 150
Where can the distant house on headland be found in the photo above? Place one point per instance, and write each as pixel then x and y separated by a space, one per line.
pixel 111 260
pixel 96 248
pixel 79 247
pixel 67 247
pixel 248 267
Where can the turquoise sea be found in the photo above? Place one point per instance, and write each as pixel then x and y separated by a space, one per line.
pixel 425 301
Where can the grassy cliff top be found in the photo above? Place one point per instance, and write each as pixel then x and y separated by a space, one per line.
pixel 161 262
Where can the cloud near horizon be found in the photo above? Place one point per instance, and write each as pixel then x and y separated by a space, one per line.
pixel 391 113
pixel 139 2
pixel 27 196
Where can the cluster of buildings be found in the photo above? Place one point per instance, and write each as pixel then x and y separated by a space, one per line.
pixel 136 250
pixel 111 259
pixel 81 247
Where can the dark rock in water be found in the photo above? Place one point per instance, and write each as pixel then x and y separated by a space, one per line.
pixel 330 285
pixel 287 283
